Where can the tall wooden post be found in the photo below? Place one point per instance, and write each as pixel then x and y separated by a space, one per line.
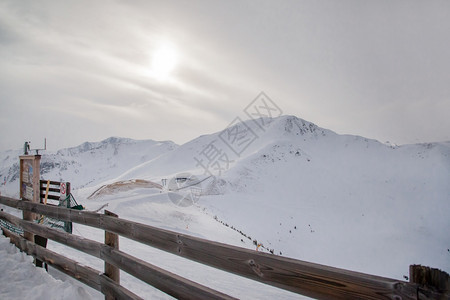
pixel 112 240
pixel 29 185
pixel 431 280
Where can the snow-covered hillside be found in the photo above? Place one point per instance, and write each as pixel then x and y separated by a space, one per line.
pixel 87 164
pixel 309 193
pixel 299 190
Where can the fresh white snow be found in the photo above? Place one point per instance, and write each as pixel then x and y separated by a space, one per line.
pixel 20 279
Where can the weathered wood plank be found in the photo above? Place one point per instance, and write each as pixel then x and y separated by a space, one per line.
pixel 76 242
pixel 429 276
pixel 27 215
pixel 50 196
pixel 84 274
pixel 111 271
pixel 70 267
pixel 301 277
pixel 47 189
pixel 42 181
pixel 433 283
pixel 50 189
pixel 172 284
pixel 165 281
pixel 114 291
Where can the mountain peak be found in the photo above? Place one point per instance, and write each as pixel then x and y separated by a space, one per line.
pixel 293 124
pixel 111 142
pixel 286 125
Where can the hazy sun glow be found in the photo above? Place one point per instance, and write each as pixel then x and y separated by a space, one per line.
pixel 164 61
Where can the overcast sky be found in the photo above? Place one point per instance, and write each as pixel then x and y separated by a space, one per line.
pixel 75 71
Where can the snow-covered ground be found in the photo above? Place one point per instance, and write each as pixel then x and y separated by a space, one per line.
pixel 20 279
pixel 299 190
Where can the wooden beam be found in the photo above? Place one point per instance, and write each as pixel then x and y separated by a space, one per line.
pixel 46 192
pixel 84 274
pixel 42 181
pixel 76 242
pixel 313 280
pixel 30 217
pixel 433 283
pixel 112 290
pixel 163 280
pixel 50 196
pixel 111 271
pixel 172 284
pixel 50 189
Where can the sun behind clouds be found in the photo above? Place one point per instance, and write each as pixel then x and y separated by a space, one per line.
pixel 164 61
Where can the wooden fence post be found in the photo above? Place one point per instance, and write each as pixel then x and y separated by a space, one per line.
pixel 112 240
pixel 430 281
pixel 29 168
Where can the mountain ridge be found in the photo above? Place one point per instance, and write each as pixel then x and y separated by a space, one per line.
pixel 87 163
pixel 283 132
pixel 301 190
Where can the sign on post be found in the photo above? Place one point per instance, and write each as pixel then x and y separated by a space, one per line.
pixel 29 185
pixel 62 191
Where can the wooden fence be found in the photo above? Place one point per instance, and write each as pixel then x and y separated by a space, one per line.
pixel 51 190
pixel 313 280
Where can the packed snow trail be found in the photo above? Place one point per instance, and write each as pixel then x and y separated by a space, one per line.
pixel 20 279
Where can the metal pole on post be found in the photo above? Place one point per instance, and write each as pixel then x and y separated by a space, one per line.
pixel 112 240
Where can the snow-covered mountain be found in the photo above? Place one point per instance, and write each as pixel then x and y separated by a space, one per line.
pixel 87 164
pixel 309 193
pixel 299 190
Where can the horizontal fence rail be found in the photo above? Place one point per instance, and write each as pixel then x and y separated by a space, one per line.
pixel 161 279
pixel 84 274
pixel 313 280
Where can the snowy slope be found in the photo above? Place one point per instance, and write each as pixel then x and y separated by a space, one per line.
pixel 88 163
pixel 344 201
pixel 105 159
pixel 184 157
pixel 300 190
pixel 309 193
pixel 9 171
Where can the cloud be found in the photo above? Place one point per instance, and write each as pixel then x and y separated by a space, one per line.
pixel 352 67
